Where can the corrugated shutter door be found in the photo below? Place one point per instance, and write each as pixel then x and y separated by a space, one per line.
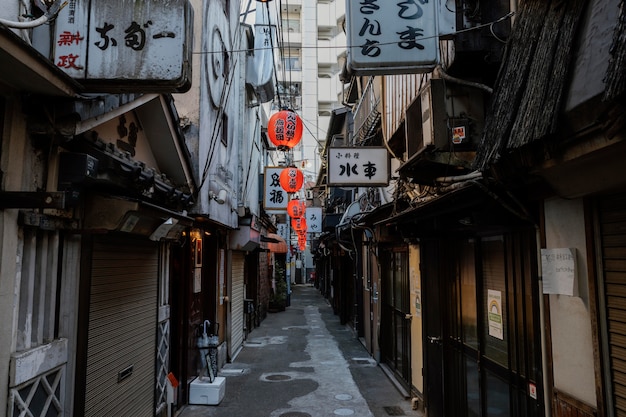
pixel 122 329
pixel 237 301
pixel 613 229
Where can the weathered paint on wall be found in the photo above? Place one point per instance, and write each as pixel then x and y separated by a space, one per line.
pixel 573 361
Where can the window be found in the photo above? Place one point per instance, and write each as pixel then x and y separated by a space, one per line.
pixel 225 129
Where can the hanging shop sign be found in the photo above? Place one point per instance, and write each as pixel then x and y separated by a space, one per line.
pixel 275 198
pixel 285 129
pixel 392 37
pixel 135 45
pixel 358 166
pixel 291 179
pixel 314 219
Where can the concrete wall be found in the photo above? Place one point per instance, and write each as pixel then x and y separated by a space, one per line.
pixel 572 349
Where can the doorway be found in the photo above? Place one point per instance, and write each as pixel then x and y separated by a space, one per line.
pixel 481 322
pixel 395 314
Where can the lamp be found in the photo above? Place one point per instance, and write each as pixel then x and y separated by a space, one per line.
pixel 220 197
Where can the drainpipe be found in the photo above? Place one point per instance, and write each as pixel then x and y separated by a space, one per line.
pixel 547 399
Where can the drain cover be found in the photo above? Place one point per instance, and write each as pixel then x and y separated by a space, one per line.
pixel 278 377
pixel 394 411
pixel 295 414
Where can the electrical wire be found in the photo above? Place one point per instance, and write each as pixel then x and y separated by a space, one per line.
pixel 506 16
pixel 50 14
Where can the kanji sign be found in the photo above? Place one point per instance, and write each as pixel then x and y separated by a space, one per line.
pixel 134 44
pixel 392 36
pixel 275 197
pixel 358 166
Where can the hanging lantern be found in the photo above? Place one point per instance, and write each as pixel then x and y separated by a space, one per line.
pixel 298 224
pixel 291 179
pixel 285 129
pixel 296 208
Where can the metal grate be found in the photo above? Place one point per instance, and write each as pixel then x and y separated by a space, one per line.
pixel 163 353
pixel 394 411
pixel 39 397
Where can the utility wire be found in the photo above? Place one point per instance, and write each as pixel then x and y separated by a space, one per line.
pixel 506 16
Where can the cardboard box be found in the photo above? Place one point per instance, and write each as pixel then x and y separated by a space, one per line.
pixel 203 392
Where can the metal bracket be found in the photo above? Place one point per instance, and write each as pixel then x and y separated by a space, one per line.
pixel 23 199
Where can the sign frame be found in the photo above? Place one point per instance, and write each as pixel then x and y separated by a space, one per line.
pixel 375 47
pixel 337 154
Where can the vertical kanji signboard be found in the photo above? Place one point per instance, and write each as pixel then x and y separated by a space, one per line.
pixel 125 43
pixel 392 36
pixel 359 166
pixel 275 198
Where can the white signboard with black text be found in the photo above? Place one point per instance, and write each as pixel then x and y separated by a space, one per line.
pixel 392 36
pixel 274 196
pixel 136 43
pixel 358 166
pixel 314 219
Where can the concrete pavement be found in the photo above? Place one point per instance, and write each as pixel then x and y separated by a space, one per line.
pixel 303 363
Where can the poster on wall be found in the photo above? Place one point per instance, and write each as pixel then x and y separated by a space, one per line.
pixel 558 268
pixel 494 314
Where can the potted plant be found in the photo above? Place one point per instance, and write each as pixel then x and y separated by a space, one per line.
pixel 278 296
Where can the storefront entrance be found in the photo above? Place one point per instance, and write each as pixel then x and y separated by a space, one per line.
pixel 481 325
pixel 395 332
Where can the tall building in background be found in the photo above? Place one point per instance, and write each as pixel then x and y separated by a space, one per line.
pixel 313 53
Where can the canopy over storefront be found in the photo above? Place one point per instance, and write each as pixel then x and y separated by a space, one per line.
pixel 274 243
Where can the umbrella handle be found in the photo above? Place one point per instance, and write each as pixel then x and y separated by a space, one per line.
pixel 206 323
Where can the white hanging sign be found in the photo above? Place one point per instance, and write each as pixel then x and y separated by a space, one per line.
pixel 392 36
pixel 274 197
pixel 314 219
pixel 358 166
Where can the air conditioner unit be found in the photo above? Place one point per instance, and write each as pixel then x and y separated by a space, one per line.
pixel 444 116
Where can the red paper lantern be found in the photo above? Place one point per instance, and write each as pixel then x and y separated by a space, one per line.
pixel 299 224
pixel 291 179
pixel 296 208
pixel 285 129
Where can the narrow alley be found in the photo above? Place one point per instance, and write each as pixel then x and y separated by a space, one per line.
pixel 303 363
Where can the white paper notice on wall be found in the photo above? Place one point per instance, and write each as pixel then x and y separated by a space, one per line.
pixel 559 270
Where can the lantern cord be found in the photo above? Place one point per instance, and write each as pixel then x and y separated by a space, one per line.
pixel 285 58
pixel 279 27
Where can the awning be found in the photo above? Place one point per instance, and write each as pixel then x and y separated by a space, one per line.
pixel 275 243
pixel 23 69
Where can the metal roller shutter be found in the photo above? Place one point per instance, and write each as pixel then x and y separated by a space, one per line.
pixel 237 301
pixel 613 231
pixel 120 373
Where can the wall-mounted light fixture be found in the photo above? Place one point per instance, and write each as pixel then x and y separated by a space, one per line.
pixel 220 197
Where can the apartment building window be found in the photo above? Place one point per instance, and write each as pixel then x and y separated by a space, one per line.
pixel 291 25
pixel 292 63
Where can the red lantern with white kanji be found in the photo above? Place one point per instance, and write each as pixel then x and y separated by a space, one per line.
pixel 291 179
pixel 299 224
pixel 285 129
pixel 296 208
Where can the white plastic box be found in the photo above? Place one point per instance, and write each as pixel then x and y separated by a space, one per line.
pixel 203 392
